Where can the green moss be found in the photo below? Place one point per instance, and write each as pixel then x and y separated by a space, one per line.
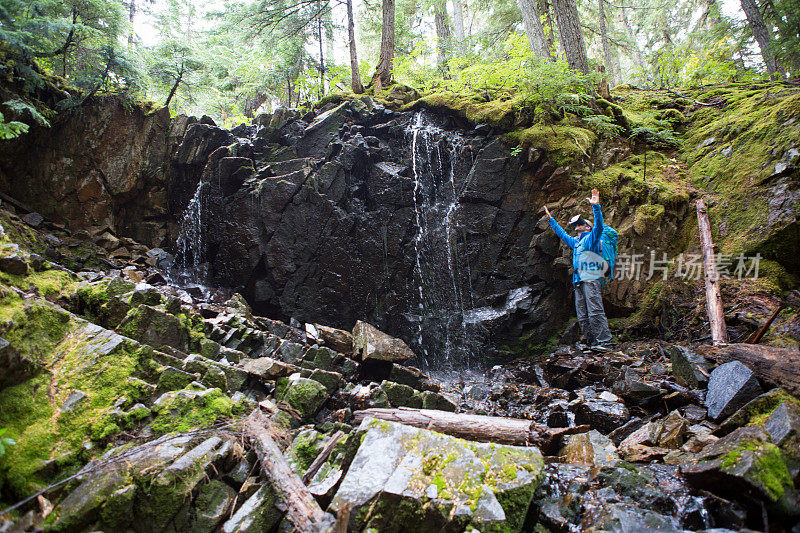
pixel 34 327
pixel 50 284
pixel 769 468
pixel 31 410
pixel 565 144
pixel 305 448
pixel 732 149
pixel 184 412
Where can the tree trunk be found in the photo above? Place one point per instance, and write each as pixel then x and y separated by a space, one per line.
pixel 533 27
pixel 569 27
pixel 302 509
pixel 355 73
pixel 778 366
pixel 475 427
pixel 442 37
pixel 321 56
pixel 716 316
pixel 637 52
pixel 383 72
pixel 322 457
pixel 609 64
pixel 544 7
pixel 175 85
pixel 458 25
pixel 131 15
pixel 763 37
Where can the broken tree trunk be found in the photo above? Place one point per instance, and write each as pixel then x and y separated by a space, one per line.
pixel 302 509
pixel 716 317
pixel 779 366
pixel 475 427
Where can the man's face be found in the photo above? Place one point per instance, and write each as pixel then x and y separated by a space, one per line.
pixel 582 228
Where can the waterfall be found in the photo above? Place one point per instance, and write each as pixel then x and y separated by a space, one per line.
pixel 189 245
pixel 440 275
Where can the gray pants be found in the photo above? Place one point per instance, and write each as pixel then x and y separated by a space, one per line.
pixel 591 315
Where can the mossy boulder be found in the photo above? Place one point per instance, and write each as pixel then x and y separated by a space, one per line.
pixel 303 394
pixel 429 482
pixel 155 327
pixel 745 466
pixel 102 484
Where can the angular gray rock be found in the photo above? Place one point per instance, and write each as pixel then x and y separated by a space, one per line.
pixel 371 343
pixel 730 387
pixel 390 480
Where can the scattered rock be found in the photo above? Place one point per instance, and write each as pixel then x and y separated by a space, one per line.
pixel 371 343
pixel 33 219
pixel 11 260
pixel 747 467
pixel 303 394
pixel 480 484
pixel 730 387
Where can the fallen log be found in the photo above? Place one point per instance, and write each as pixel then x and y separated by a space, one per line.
pixel 302 509
pixel 476 427
pixel 322 457
pixel 716 316
pixel 778 366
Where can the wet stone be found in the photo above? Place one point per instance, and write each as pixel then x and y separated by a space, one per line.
pixel 11 260
pixel 258 513
pixel 371 343
pixel 744 465
pixel 487 485
pixel 589 449
pixel 212 505
pixel 730 387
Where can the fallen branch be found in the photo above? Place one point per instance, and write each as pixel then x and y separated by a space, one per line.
pixel 322 457
pixel 756 336
pixel 302 509
pixel 778 366
pixel 476 427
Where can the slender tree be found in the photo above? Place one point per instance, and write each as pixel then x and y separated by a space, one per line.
pixel 458 25
pixel 443 37
pixel 638 58
pixel 383 72
pixel 763 37
pixel 355 73
pixel 533 28
pixel 607 61
pixel 569 27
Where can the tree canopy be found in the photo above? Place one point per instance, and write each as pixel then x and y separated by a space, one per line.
pixel 231 60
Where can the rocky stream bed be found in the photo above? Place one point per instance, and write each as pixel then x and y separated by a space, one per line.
pixel 127 393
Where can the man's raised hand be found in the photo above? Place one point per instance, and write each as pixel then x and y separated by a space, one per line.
pixel 547 212
pixel 595 199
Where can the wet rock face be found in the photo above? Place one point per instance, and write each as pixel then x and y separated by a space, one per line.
pixel 103 166
pixel 325 227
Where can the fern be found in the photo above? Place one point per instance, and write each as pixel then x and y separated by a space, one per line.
pixel 11 130
pixel 603 125
pixel 654 136
pixel 21 107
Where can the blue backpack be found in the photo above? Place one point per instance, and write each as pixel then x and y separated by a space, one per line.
pixel 609 241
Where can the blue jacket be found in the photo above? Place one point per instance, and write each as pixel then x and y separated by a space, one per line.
pixel 588 240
